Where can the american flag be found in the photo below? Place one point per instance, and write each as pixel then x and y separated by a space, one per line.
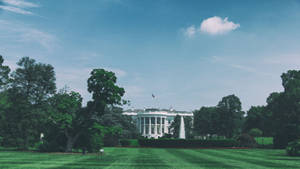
pixel 153 96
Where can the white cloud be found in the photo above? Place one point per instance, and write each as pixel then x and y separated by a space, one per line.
pixel 190 31
pixel 18 6
pixel 216 25
pixel 15 10
pixel 20 3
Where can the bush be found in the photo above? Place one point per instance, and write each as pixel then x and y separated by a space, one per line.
pixel 255 132
pixel 293 148
pixel 1 139
pixel 125 143
pixel 51 146
pixel 245 140
pixel 129 143
pixel 188 143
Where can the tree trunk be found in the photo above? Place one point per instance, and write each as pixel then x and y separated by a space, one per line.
pixel 70 141
pixel 70 144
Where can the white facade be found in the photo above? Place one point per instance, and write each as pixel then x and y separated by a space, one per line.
pixel 154 123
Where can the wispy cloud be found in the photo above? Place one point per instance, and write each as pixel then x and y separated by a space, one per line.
pixel 190 31
pixel 18 6
pixel 15 10
pixel 20 3
pixel 242 67
pixel 19 32
pixel 213 26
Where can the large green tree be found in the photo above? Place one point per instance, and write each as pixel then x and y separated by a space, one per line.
pixel 30 86
pixel 206 121
pixel 102 85
pixel 230 116
pixel 67 115
pixel 259 117
pixel 285 108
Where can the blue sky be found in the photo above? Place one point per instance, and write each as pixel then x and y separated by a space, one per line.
pixel 187 53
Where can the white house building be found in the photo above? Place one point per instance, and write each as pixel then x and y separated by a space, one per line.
pixel 154 123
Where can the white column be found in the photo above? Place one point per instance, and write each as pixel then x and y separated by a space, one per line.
pixel 155 126
pixel 165 126
pixel 144 130
pixel 161 126
pixel 140 124
pixel 149 125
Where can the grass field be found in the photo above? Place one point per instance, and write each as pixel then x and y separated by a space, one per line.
pixel 264 140
pixel 122 158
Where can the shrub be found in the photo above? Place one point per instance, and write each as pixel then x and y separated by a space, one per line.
pixel 1 139
pixel 51 146
pixel 125 142
pixel 255 132
pixel 293 148
pixel 188 143
pixel 245 140
pixel 129 143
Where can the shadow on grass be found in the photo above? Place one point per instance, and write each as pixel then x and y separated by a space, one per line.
pixel 147 158
pixel 261 162
pixel 197 159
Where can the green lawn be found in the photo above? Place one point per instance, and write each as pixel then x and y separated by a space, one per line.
pixel 264 140
pixel 153 158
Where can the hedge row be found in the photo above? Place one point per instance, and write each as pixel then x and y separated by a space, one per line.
pixel 180 143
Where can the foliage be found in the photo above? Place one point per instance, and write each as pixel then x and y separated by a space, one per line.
pixel 129 143
pixel 66 115
pixel 226 119
pixel 30 86
pixel 255 132
pixel 206 121
pixel 188 143
pixel 285 110
pixel 113 117
pixel 230 116
pixel 102 86
pixel 259 117
pixel 4 74
pixel 293 148
pixel 246 140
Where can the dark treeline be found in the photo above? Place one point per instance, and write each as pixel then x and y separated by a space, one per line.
pixel 279 119
pixel 34 114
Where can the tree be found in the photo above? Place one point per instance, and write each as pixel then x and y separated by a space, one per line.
pixel 255 132
pixel 35 80
pixel 230 116
pixel 122 126
pixel 31 84
pixel 4 74
pixel 66 114
pixel 102 85
pixel 259 117
pixel 206 121
pixel 4 104
pixel 285 109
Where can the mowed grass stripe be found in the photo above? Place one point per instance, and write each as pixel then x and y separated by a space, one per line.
pixel 276 156
pixel 251 160
pixel 150 158
pixel 199 160
pixel 224 158
pixel 35 161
